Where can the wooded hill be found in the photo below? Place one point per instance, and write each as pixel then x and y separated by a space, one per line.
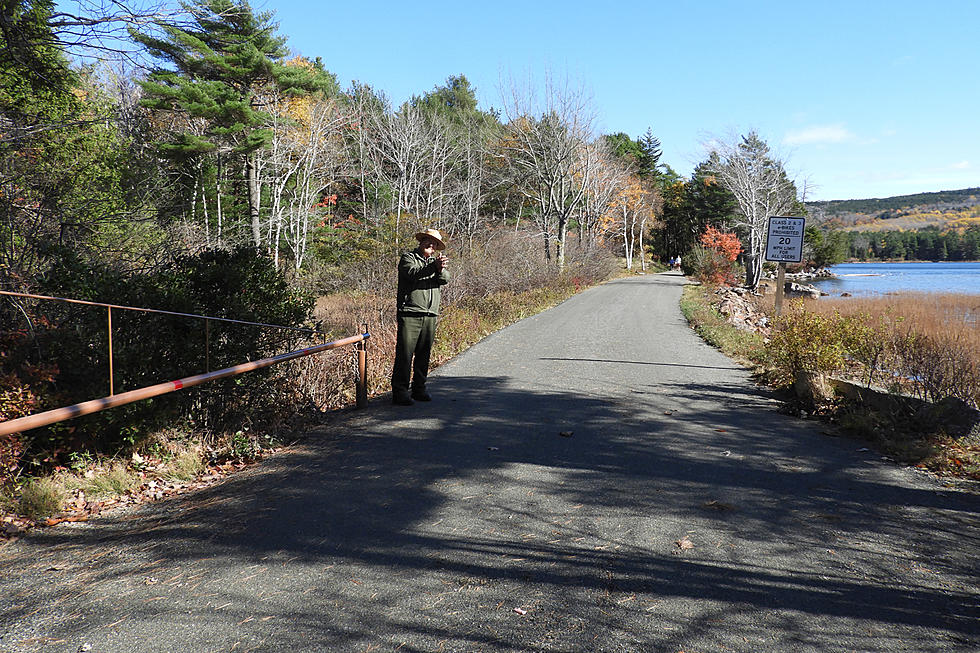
pixel 953 209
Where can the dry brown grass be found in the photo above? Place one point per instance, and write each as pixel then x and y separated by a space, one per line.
pixel 955 316
pixel 933 340
pixel 920 344
pixel 328 379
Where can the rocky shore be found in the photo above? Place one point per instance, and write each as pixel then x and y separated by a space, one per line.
pixel 739 305
pixel 796 285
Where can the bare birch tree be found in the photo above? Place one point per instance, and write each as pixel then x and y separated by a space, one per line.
pixel 475 178
pixel 758 180
pixel 435 193
pixel 400 146
pixel 322 165
pixel 365 107
pixel 546 149
pixel 603 186
pixel 303 161
pixel 629 212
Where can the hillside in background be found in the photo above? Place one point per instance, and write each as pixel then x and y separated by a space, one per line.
pixel 951 209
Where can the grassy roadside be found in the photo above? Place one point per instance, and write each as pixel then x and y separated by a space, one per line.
pixel 172 464
pixel 701 311
pixel 899 430
pixel 175 462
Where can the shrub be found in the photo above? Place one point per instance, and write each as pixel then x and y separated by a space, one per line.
pixel 926 344
pixel 11 449
pixel 806 343
pixel 868 342
pixel 714 261
pixel 937 369
pixel 235 284
pixel 26 385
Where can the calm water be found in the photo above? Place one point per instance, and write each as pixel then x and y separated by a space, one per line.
pixel 862 279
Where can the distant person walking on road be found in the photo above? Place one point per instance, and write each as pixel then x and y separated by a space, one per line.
pixel 420 274
pixel 677 262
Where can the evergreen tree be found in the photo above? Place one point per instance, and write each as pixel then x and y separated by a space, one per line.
pixel 926 245
pixel 624 147
pixel 456 101
pixel 711 203
pixel 32 66
pixel 223 66
pixel 955 244
pixel 971 244
pixel 671 237
pixel 649 160
pixel 689 207
pixel 643 153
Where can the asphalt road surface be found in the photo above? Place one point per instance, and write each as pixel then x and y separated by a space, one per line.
pixel 594 478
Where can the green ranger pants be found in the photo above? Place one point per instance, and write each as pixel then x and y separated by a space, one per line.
pixel 415 336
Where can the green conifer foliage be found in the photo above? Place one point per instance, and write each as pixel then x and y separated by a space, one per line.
pixel 222 68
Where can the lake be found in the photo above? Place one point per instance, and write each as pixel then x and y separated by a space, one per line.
pixel 863 279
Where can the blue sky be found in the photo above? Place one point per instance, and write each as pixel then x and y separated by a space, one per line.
pixel 863 99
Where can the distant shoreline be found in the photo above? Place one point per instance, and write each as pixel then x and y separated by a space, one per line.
pixel 863 278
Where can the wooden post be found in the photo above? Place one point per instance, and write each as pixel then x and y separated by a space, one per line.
pixel 112 389
pixel 361 392
pixel 780 287
pixel 207 345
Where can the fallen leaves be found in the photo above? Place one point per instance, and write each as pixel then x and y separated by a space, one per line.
pixel 80 508
pixel 684 544
pixel 54 521
pixel 12 526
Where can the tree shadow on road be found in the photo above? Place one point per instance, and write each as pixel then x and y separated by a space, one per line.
pixel 428 524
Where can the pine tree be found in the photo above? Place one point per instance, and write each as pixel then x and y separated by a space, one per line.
pixel 649 160
pixel 710 202
pixel 221 66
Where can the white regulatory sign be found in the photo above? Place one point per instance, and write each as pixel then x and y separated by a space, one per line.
pixel 784 242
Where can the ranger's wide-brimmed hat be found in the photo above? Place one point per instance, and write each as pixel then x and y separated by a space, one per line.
pixel 434 235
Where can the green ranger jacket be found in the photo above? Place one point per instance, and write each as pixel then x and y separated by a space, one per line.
pixel 419 279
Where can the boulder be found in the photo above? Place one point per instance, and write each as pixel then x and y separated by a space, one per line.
pixel 813 388
pixel 793 289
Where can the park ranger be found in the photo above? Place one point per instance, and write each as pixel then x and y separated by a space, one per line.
pixel 421 273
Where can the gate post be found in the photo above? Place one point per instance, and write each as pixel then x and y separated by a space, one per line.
pixel 361 392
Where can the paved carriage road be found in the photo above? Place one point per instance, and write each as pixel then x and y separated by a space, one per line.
pixel 594 478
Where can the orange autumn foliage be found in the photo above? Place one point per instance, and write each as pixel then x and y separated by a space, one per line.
pixel 726 244
pixel 720 249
